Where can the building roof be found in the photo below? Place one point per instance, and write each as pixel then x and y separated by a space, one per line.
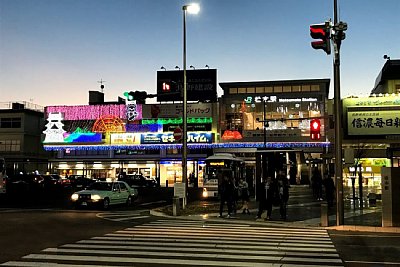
pixel 390 71
pixel 227 85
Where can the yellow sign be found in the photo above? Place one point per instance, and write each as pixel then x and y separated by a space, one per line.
pixel 217 164
pixel 374 122
pixel 125 138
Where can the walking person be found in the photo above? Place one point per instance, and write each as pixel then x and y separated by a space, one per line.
pixel 244 195
pixel 283 189
pixel 226 191
pixel 266 194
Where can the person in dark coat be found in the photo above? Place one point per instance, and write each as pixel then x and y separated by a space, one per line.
pixel 226 192
pixel 329 190
pixel 316 180
pixel 283 189
pixel 266 195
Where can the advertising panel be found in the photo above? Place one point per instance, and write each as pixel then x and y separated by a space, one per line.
pixel 197 110
pixel 201 85
pixel 373 122
pixel 125 138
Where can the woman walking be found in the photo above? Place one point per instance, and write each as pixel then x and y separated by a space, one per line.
pixel 244 195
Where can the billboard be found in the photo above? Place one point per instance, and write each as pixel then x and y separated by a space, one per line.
pixel 201 85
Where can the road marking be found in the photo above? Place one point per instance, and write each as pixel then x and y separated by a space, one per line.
pixel 193 243
pixel 123 216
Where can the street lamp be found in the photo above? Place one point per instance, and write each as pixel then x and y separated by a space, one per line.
pixel 191 9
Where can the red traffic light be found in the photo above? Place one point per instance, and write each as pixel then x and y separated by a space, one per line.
pixel 315 129
pixel 322 32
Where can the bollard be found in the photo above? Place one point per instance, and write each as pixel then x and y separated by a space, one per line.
pixel 324 215
pixel 175 206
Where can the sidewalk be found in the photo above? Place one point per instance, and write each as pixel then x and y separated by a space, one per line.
pixel 303 211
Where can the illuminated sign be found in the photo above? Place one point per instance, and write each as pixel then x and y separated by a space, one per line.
pixel 169 138
pixel 91 112
pixel 372 101
pixel 217 163
pixel 374 122
pixel 143 128
pixel 274 98
pixel 176 121
pixel 175 110
pixel 228 135
pixel 125 138
pixel 132 111
pixel 54 128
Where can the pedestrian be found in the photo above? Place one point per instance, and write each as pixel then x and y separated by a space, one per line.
pixel 226 191
pixel 266 195
pixel 329 190
pixel 244 195
pixel 283 190
pixel 316 179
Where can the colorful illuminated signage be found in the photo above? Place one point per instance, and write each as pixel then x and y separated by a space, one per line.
pixel 229 135
pixel 143 128
pixel 217 164
pixel 92 112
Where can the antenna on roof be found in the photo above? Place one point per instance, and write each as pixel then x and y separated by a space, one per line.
pixel 101 84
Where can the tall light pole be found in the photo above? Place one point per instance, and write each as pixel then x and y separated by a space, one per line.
pixel 191 9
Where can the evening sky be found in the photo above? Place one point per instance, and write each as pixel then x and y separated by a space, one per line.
pixel 52 52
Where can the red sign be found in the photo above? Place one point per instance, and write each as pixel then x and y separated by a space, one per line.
pixel 177 134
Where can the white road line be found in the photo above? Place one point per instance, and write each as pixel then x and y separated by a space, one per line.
pixel 239 250
pixel 220 244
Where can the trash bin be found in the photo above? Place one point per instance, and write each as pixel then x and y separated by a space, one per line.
pixel 372 199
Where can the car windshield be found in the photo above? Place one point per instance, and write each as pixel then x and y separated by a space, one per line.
pixel 101 186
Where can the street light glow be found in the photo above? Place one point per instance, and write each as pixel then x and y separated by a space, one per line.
pixel 192 8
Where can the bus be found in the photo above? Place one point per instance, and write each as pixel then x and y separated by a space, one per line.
pixel 2 176
pixel 217 166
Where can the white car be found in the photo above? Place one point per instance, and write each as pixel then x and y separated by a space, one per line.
pixel 104 194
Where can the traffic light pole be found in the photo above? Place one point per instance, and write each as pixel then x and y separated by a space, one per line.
pixel 338 125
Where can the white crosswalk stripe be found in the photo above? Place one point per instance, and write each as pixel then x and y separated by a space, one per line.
pixel 123 216
pixel 194 243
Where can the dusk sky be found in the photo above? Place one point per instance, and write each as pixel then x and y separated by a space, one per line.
pixel 52 52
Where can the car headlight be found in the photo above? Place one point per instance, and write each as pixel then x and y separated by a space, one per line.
pixel 95 197
pixel 74 197
pixel 205 192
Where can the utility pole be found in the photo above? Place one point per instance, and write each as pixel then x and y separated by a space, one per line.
pixel 337 37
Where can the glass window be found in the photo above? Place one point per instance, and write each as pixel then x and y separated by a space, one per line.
pixel 233 91
pixel 259 90
pixel 305 88
pixel 241 90
pixel 296 88
pixel 10 123
pixel 287 88
pixel 251 90
pixel 269 89
pixel 315 88
pixel 278 89
pixel 122 186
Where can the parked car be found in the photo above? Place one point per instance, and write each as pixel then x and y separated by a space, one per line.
pixel 23 183
pixel 104 194
pixel 80 182
pixel 138 180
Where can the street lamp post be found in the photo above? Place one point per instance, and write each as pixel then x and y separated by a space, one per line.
pixel 191 9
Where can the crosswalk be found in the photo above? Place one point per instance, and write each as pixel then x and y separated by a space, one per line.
pixel 193 243
pixel 124 216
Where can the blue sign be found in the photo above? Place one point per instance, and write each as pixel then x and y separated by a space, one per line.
pixel 168 138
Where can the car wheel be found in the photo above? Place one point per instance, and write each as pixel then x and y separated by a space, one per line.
pixel 106 203
pixel 129 201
